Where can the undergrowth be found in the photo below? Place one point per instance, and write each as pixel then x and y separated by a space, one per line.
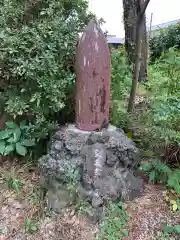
pixel 156 117
pixel 161 119
pixel 167 232
pixel 170 177
pixel 120 87
pixel 113 225
pixel 15 138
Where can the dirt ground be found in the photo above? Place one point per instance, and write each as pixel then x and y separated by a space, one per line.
pixel 22 202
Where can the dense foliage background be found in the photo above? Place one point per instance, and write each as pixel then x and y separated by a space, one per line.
pixel 157 113
pixel 163 40
pixel 37 51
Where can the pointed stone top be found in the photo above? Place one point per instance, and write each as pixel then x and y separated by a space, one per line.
pixel 93 25
pixel 92 31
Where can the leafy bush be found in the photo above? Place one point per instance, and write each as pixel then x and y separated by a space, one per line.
pixel 120 75
pixel 30 226
pixel 167 232
pixel 37 50
pixel 120 87
pixel 161 173
pixel 162 118
pixel 164 40
pixel 15 139
pixel 171 229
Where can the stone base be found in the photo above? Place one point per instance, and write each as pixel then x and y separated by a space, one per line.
pixel 100 163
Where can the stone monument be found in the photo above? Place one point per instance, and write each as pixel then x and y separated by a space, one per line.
pixel 102 155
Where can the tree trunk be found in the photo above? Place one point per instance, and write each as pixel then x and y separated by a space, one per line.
pixel 144 52
pixel 137 66
pixel 130 20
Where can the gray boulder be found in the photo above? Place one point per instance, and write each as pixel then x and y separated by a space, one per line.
pixel 102 164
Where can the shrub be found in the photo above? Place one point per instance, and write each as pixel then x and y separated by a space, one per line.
pixel 37 49
pixel 120 87
pixel 161 173
pixel 162 119
pixel 120 75
pixel 164 40
pixel 16 139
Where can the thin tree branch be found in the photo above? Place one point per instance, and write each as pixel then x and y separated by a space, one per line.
pixel 143 9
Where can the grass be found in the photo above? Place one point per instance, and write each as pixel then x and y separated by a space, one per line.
pixel 24 210
pixel 22 185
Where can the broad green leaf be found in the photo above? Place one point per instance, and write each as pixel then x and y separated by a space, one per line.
pixel 28 142
pixel 20 149
pixel 168 229
pixel 111 230
pixel 171 182
pixel 4 134
pixel 27 222
pixel 163 168
pixel 119 223
pixel 9 149
pixel 177 228
pixel 11 125
pixel 125 233
pixel 177 188
pixel 17 134
pixel 2 147
pixel 11 140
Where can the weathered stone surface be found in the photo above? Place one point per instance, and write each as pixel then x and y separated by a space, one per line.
pixel 58 199
pixel 105 161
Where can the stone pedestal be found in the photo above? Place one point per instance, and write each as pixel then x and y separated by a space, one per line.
pixel 100 162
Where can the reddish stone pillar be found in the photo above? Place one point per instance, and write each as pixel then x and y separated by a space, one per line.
pixel 92 80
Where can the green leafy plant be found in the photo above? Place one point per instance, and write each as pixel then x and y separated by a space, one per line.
pixel 170 229
pixel 120 75
pixel 164 109
pixel 15 184
pixel 113 226
pixel 14 140
pixel 73 177
pixel 37 55
pixel 11 178
pixel 120 87
pixel 83 207
pixel 30 226
pixel 164 40
pixel 161 173
pixel 172 198
pixel 161 117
